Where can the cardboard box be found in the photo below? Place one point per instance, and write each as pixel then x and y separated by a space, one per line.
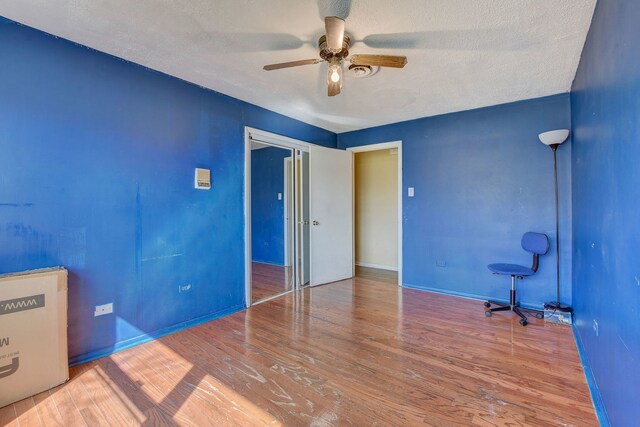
pixel 33 333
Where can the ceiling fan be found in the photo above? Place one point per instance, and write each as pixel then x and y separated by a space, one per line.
pixel 334 49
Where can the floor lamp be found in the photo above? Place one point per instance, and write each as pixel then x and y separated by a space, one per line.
pixel 553 139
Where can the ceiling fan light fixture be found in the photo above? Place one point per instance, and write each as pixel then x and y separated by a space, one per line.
pixel 334 73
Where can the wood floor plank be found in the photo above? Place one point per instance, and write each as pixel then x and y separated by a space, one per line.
pixel 356 352
pixel 109 398
pixel 8 416
pixel 152 387
pixel 69 413
pixel 90 412
pixel 169 375
pixel 27 413
pixel 47 409
pixel 377 275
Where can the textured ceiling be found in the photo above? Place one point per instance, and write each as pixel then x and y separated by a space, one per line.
pixel 461 54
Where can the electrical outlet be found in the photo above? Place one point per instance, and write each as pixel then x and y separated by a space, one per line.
pixel 184 288
pixel 595 327
pixel 103 309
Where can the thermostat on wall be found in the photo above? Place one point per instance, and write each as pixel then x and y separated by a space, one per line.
pixel 203 179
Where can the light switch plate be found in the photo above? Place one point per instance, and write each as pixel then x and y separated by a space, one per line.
pixel 410 192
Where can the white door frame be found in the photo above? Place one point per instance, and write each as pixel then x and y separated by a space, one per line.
pixel 278 141
pixel 305 270
pixel 376 147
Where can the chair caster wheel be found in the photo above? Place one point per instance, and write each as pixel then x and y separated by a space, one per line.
pixel 539 316
pixel 488 313
pixel 523 322
pixel 486 304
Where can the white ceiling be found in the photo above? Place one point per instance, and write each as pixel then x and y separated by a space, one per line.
pixel 462 54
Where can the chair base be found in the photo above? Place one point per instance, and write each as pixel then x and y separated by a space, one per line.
pixel 512 306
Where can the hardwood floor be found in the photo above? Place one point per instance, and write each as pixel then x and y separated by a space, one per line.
pixel 378 275
pixel 357 352
pixel 268 280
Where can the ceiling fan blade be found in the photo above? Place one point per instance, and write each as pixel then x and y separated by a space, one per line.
pixel 281 65
pixel 334 27
pixel 333 89
pixel 340 8
pixel 498 39
pixel 242 42
pixel 379 60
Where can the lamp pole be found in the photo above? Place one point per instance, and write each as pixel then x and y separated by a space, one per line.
pixel 553 139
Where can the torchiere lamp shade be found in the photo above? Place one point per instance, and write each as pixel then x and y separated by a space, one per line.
pixel 554 137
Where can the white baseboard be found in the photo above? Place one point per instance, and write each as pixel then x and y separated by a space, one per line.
pixel 378 266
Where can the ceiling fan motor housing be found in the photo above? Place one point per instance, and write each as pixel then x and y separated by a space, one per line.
pixel 327 54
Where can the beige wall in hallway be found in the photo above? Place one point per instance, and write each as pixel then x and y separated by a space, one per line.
pixel 376 208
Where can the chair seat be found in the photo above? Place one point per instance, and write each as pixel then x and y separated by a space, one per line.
pixel 511 269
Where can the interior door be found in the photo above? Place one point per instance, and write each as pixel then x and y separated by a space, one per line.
pixel 330 205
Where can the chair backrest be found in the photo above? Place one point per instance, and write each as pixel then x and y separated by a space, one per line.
pixel 536 243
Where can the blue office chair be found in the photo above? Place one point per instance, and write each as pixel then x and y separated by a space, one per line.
pixel 537 244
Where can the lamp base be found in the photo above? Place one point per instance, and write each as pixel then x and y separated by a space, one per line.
pixel 558 306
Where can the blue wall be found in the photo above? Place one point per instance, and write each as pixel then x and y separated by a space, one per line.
pixel 96 174
pixel 267 212
pixel 481 179
pixel 605 105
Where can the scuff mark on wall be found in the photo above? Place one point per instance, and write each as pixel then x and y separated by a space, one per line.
pixel 16 205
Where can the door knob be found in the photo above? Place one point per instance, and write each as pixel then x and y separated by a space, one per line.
pixel 315 222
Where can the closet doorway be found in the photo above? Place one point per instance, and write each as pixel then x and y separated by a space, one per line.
pixel 298 215
pixel 277 216
pixel 271 219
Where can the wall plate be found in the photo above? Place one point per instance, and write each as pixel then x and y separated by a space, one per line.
pixel 203 179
